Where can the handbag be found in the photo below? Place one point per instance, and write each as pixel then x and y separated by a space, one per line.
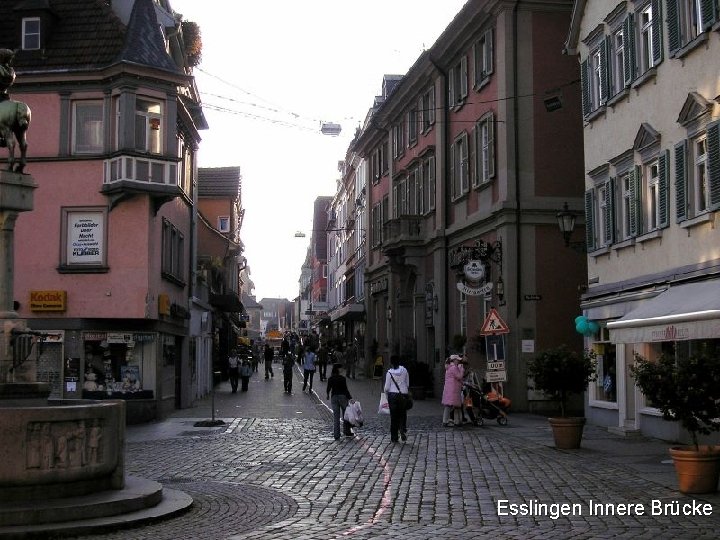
pixel 406 398
pixel 384 407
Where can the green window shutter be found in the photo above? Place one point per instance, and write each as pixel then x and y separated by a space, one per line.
pixel 708 8
pixel 681 181
pixel 713 139
pixel 673 25
pixel 608 72
pixel 635 208
pixel 629 63
pixel 609 212
pixel 585 87
pixel 589 221
pixel 657 40
pixel 663 189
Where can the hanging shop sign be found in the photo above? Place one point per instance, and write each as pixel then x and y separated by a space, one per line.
pixel 474 291
pixel 48 300
pixel 473 283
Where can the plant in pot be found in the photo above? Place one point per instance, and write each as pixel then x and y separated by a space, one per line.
pixel 559 373
pixel 686 390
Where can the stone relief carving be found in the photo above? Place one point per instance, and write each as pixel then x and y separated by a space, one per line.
pixel 64 445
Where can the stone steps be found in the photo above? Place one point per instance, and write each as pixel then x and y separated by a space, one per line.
pixel 141 500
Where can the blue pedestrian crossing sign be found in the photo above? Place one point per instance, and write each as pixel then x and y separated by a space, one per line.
pixel 494 324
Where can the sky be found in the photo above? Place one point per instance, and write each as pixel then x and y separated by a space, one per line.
pixel 271 73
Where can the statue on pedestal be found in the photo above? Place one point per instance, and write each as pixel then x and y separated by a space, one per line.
pixel 14 115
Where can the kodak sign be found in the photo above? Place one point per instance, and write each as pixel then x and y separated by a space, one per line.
pixel 48 300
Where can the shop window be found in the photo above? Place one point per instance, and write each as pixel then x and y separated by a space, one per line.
pixel 605 388
pixel 113 368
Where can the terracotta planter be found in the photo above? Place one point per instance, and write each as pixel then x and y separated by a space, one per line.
pixel 697 472
pixel 567 432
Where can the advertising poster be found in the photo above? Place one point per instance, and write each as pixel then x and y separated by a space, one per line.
pixel 85 243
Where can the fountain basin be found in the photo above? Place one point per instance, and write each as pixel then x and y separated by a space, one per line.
pixel 59 451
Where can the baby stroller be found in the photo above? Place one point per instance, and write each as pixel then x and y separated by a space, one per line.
pixel 479 406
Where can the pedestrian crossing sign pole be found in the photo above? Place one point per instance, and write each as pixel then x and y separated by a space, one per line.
pixel 494 330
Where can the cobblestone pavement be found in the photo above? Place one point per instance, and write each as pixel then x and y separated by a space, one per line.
pixel 273 471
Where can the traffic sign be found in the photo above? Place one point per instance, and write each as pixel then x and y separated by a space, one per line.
pixel 494 324
pixel 496 376
pixel 495 365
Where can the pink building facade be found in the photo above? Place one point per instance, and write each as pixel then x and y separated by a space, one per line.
pixel 104 263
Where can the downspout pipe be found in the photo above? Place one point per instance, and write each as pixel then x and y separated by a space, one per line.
pixel 445 218
pixel 516 143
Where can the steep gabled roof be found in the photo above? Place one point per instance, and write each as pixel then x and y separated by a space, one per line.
pixel 85 35
pixel 219 182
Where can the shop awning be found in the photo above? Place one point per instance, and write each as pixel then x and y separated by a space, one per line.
pixel 688 311
pixel 229 303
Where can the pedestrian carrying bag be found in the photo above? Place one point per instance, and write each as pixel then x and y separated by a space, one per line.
pixel 406 399
pixel 384 407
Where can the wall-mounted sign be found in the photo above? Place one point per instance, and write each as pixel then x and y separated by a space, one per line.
pixel 85 237
pixel 48 300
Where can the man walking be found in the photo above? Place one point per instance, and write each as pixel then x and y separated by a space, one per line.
pixel 268 354
pixel 234 369
pixel 351 358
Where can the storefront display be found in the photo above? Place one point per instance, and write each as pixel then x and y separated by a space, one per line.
pixel 112 366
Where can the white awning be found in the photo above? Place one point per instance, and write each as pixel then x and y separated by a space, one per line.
pixel 682 312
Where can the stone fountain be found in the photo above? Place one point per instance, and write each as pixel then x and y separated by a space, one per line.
pixel 61 465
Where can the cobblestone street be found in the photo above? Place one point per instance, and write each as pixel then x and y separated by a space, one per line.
pixel 274 471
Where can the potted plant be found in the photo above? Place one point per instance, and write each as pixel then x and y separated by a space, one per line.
pixel 559 373
pixel 686 390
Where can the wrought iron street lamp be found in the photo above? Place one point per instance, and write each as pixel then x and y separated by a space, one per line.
pixel 566 219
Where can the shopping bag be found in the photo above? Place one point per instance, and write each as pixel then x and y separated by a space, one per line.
pixel 384 407
pixel 350 416
pixel 353 414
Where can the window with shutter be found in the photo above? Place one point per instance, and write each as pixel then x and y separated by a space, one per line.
pixel 635 208
pixel 589 221
pixel 609 212
pixel 713 148
pixel 680 181
pixel 663 190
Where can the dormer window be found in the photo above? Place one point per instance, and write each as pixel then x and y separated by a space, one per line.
pixel 31 33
